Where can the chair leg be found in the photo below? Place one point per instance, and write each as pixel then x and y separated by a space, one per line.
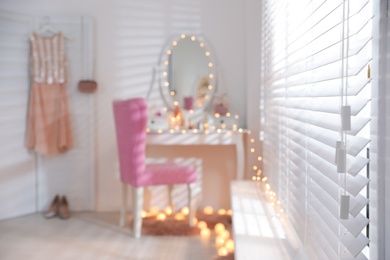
pixel 193 194
pixel 138 203
pixel 170 196
pixel 122 218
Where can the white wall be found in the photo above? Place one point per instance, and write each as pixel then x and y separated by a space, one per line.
pixel 128 38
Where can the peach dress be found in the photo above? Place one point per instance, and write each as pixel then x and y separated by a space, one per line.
pixel 48 119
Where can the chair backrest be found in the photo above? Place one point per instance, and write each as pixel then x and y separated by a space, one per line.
pixel 130 123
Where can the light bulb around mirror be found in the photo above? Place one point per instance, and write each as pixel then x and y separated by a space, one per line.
pixel 189 69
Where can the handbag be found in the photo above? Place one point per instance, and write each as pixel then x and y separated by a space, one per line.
pixel 87 86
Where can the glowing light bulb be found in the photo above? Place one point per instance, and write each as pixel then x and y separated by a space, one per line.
pixel 166 63
pixel 210 87
pixel 211 75
pixel 222 251
pixel 201 224
pixel 221 212
pixel 208 210
pixel 254 178
pixel 168 211
pixel 159 131
pixel 169 52
pixel 252 140
pixel 219 227
pixel 255 168
pixel 267 186
pixel 179 216
pixel 229 212
pixel 224 234
pixel 219 241
pixel 174 43
pixel 154 210
pixel 182 36
pixel 185 211
pixel 201 44
pixel 207 53
pixel 259 158
pixel 210 64
pixel 147 130
pixel 205 233
pixel 144 214
pixel 230 245
pixel 161 216
pixel 193 38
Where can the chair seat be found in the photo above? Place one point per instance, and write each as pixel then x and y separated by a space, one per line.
pixel 166 173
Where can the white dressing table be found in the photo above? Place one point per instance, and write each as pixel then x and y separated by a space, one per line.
pixel 195 137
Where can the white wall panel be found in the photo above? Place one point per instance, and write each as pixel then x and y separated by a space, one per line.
pixel 17 165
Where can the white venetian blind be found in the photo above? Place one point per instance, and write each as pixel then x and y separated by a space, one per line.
pixel 315 58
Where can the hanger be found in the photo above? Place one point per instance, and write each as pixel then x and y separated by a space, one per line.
pixel 46 27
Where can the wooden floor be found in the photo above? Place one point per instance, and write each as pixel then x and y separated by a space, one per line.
pixel 96 236
pixel 92 236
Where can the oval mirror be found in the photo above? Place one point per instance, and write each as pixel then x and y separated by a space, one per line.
pixel 188 76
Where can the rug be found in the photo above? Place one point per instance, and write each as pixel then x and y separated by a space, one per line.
pixel 173 227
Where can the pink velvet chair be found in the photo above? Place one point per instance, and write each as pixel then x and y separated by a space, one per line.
pixel 130 122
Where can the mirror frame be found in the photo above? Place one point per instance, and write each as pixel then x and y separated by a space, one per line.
pixel 167 95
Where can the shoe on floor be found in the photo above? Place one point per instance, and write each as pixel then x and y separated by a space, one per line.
pixel 53 209
pixel 63 210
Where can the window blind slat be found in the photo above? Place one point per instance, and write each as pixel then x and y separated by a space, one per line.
pixel 355 225
pixel 354 244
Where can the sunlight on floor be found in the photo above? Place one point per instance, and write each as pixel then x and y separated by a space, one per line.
pixel 257 229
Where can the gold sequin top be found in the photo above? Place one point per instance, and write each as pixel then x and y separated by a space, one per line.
pixel 48 59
